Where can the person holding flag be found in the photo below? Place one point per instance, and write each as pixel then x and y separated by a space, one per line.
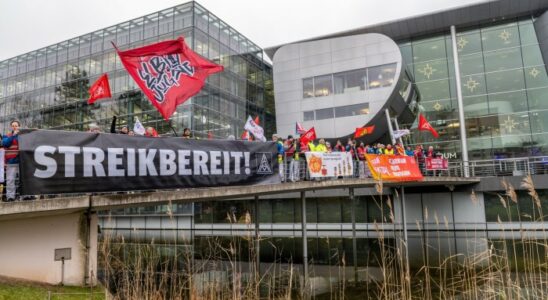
pixel 138 128
pixel 255 129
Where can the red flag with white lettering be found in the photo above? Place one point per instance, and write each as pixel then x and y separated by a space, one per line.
pixel 310 135
pixel 168 72
pixel 99 89
pixel 424 125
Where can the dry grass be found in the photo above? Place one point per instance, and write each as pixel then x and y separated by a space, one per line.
pixel 515 268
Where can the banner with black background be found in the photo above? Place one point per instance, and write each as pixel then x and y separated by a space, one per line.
pixel 54 162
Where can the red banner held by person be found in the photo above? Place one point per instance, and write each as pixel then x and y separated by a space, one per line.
pixel 168 72
pixel 393 167
pixel 100 89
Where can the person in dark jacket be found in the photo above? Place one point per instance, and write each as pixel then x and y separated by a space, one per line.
pixel 10 142
pixel 124 129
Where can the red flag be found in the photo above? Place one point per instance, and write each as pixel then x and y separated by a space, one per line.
pixel 99 89
pixel 168 72
pixel 310 135
pixel 256 120
pixel 424 125
pixel 209 135
pixel 245 135
pixel 363 131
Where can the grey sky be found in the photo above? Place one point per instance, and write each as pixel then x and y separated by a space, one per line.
pixel 27 25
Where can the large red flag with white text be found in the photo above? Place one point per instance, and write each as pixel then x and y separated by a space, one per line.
pixel 99 89
pixel 424 125
pixel 168 72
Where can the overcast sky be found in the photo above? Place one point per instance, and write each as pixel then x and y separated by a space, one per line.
pixel 27 25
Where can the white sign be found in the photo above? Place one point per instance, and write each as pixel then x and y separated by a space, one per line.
pixel 333 164
pixel 401 133
pixel 255 129
pixel 138 128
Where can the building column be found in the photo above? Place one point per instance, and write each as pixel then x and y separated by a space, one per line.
pixel 462 124
pixel 305 292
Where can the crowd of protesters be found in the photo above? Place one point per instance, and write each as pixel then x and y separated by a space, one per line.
pixel 291 152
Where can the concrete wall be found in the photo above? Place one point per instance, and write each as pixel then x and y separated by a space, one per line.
pixel 27 248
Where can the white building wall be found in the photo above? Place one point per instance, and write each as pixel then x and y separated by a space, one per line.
pixel 27 248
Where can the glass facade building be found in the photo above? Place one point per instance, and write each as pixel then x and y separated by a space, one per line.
pixel 504 87
pixel 48 88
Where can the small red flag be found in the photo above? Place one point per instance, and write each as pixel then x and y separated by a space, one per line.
pixel 245 135
pixel 310 135
pixel 168 72
pixel 100 89
pixel 363 131
pixel 424 125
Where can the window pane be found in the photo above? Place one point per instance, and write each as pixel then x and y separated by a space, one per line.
pixel 434 90
pixel 308 115
pixel 473 85
pixel 322 114
pixel 468 43
pixel 329 210
pixel 527 34
pixel 431 70
pixel 308 88
pixel 537 98
pixel 532 56
pixel 475 106
pixel 536 77
pixel 381 76
pixel 503 59
pixel 322 85
pixel 352 110
pixel 504 103
pixel 429 49
pixel 471 64
pixel 539 121
pixel 505 81
pixel 350 81
pixel 504 37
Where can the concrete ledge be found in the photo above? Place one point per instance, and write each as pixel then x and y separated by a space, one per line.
pixel 29 209
pixel 103 202
pixel 113 201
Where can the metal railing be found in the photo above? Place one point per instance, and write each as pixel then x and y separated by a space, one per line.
pixel 296 170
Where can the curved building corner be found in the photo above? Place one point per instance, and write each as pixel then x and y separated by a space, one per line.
pixel 338 84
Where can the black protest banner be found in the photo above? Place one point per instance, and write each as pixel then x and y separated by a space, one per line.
pixel 54 162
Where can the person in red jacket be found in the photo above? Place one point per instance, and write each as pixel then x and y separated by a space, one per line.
pixel 361 160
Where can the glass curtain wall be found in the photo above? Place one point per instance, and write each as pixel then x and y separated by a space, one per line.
pixel 504 86
pixel 48 88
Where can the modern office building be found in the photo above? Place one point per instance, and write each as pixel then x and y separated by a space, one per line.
pixel 337 82
pixel 48 88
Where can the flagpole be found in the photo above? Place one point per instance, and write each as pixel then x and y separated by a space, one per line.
pixel 398 128
pixel 390 130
